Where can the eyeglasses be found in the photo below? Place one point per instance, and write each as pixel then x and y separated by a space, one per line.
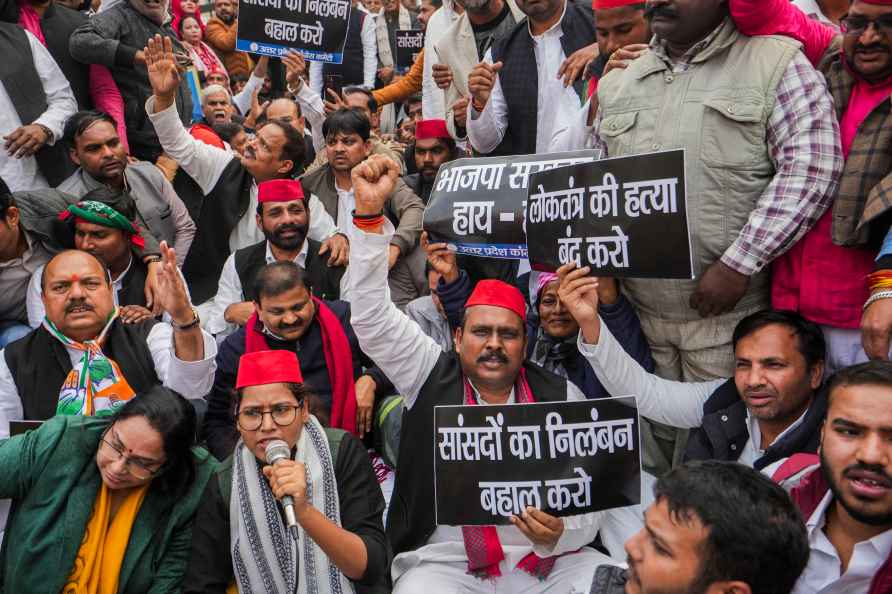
pixel 137 468
pixel 250 419
pixel 856 25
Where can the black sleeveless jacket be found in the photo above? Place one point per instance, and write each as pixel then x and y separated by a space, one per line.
pixel 410 520
pixel 39 365
pixel 322 280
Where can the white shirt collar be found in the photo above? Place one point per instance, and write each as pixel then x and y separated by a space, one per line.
pixel 117 281
pixel 756 433
pixel 300 260
pixel 881 543
pixel 480 399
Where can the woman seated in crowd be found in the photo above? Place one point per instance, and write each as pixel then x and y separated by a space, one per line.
pixel 203 57
pixel 338 544
pixel 104 504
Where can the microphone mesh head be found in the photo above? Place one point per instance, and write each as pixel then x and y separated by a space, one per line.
pixel 277 450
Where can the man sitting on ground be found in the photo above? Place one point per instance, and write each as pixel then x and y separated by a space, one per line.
pixel 769 410
pixel 83 359
pixel 283 217
pixel 287 317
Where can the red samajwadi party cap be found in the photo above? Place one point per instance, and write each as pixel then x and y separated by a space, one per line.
pixel 498 294
pixel 280 190
pixel 426 129
pixel 268 367
pixel 606 4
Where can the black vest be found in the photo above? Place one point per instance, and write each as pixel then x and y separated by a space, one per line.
pixel 39 365
pixel 58 23
pixel 351 68
pixel 520 84
pixel 133 285
pixel 22 83
pixel 321 280
pixel 221 211
pixel 410 521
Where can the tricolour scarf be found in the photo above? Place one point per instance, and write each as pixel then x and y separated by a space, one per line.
pixel 97 384
pixel 338 361
pixel 264 556
pixel 482 544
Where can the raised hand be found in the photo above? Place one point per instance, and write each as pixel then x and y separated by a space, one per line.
pixel 481 81
pixel 172 295
pixel 295 68
pixel 442 75
pixel 460 112
pixel 163 74
pixel 441 259
pixel 334 102
pixel 373 183
pixel 578 293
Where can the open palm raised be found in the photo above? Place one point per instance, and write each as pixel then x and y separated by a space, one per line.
pixel 163 74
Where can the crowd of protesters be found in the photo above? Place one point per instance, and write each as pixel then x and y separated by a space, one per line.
pixel 208 256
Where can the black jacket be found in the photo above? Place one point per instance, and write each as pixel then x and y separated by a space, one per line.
pixel 219 424
pixel 724 430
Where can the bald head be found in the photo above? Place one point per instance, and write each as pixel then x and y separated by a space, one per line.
pixel 77 294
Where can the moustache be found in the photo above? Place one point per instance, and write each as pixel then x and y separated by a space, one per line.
pixel 655 10
pixel 73 305
pixel 497 356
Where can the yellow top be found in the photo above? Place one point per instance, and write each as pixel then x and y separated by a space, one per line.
pixel 102 550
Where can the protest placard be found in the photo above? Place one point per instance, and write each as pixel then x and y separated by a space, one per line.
pixel 565 458
pixel 624 217
pixel 409 42
pixel 315 28
pixel 477 205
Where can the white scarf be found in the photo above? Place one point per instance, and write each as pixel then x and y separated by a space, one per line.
pixel 264 556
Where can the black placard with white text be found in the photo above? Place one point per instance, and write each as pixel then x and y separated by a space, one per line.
pixel 315 28
pixel 565 458
pixel 477 204
pixel 409 42
pixel 624 217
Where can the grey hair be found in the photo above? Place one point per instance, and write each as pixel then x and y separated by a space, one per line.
pixel 213 90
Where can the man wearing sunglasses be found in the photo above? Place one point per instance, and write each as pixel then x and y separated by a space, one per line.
pixel 823 275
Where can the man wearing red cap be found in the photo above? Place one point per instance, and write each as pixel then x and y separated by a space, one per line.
pixel 283 217
pixel 831 275
pixel 433 147
pixel 242 542
pixel 228 183
pixel 487 367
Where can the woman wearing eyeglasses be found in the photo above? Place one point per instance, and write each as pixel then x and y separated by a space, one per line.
pixel 241 542
pixel 103 505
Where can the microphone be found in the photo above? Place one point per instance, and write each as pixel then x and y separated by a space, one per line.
pixel 276 451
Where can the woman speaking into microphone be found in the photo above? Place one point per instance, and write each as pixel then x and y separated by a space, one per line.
pixel 319 479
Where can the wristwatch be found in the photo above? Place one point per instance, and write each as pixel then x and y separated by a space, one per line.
pixel 188 326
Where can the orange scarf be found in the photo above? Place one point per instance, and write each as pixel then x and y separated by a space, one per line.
pixel 101 554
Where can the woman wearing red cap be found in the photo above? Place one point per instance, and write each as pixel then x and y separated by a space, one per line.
pixel 242 542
